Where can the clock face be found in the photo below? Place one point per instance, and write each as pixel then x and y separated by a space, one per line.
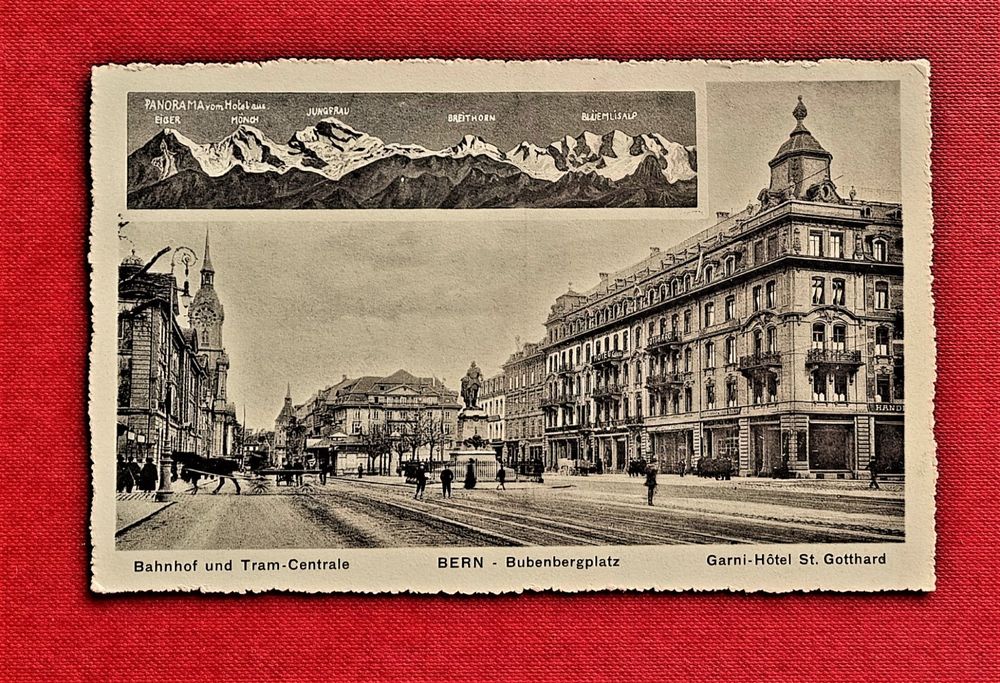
pixel 204 316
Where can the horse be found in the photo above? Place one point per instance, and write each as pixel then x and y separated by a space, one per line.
pixel 222 468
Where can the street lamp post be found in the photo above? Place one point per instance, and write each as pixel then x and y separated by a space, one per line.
pixel 186 257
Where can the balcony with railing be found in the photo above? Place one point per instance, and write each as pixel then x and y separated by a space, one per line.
pixel 608 357
pixel 664 341
pixel 760 362
pixel 606 391
pixel 833 358
pixel 664 381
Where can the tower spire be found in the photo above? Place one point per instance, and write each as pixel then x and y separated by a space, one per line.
pixel 207 263
pixel 288 393
pixel 207 271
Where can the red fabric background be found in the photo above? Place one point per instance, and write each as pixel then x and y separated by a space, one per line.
pixel 54 629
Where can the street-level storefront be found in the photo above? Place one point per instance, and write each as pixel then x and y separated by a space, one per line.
pixel 765 447
pixel 721 440
pixel 564 451
pixel 889 440
pixel 671 449
pixel 611 450
pixel 831 446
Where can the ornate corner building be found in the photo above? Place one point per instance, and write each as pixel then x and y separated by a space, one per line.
pixel 773 339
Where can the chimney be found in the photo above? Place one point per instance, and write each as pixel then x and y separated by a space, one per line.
pixel 653 251
pixel 721 215
pixel 603 276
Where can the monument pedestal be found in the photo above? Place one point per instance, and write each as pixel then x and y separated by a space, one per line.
pixel 473 422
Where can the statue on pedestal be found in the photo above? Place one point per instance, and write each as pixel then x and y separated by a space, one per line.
pixel 471 383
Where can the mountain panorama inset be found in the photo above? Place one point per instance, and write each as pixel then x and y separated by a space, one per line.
pixel 333 166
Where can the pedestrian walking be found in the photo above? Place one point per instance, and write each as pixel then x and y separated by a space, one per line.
pixel 501 478
pixel 421 477
pixel 148 476
pixel 446 478
pixel 650 484
pixel 298 467
pixel 873 468
pixel 134 472
pixel 361 470
pixel 470 475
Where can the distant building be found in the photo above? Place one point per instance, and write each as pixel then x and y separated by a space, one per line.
pixel 524 375
pixel 339 418
pixel 774 339
pixel 281 425
pixel 492 400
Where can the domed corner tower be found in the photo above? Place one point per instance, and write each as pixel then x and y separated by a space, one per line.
pixel 801 167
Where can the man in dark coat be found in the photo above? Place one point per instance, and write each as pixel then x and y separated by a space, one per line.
pixel 873 468
pixel 124 476
pixel 148 476
pixel 421 477
pixel 361 469
pixel 446 477
pixel 501 478
pixel 650 484
pixel 134 472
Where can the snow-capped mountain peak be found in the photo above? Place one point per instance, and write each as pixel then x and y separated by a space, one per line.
pixel 333 149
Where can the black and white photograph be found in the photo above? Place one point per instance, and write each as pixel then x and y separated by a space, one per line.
pixel 517 393
pixel 412 151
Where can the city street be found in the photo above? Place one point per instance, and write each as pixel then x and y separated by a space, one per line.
pixel 380 512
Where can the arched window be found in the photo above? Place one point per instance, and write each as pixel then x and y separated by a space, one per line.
pixel 687 282
pixel 758 342
pixel 882 295
pixel 675 286
pixel 880 251
pixel 839 338
pixel 663 325
pixel 730 265
pixel 881 341
pixel 709 272
pixel 818 336
pixel 772 340
pixel 663 292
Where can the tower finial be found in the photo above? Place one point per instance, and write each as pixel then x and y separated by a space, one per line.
pixel 800 111
pixel 288 392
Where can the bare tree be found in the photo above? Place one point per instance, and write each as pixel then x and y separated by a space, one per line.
pixel 433 433
pixel 378 444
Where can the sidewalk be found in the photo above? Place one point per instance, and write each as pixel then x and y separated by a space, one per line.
pixel 136 507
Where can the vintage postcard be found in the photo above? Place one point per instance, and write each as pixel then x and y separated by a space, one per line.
pixel 484 327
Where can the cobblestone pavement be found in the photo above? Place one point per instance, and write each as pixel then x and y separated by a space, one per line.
pixel 603 510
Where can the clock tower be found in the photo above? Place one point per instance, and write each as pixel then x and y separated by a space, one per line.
pixel 206 312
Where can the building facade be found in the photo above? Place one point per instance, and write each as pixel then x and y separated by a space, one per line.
pixel 524 376
pixel 492 398
pixel 773 340
pixel 162 382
